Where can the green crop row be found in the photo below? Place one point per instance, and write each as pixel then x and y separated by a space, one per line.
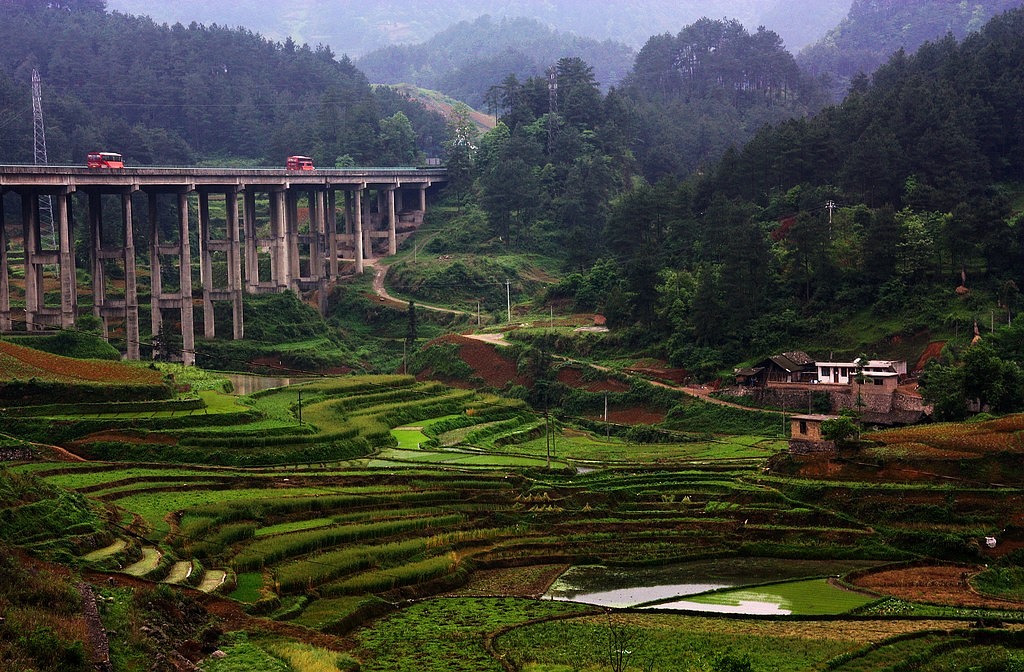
pixel 212 545
pixel 113 407
pixel 355 404
pixel 386 579
pixel 218 513
pixel 271 549
pixel 309 572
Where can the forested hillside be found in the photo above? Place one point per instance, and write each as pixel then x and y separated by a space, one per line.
pixel 710 87
pixel 889 201
pixel 177 95
pixel 466 59
pixel 861 220
pixel 875 29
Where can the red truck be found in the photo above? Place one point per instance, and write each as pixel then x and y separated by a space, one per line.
pixel 299 163
pixel 104 160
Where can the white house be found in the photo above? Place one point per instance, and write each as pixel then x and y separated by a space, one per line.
pixel 842 373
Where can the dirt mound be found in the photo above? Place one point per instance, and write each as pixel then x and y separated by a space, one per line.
pixel 935 584
pixel 574 377
pixel 488 362
pixel 660 371
pixel 20 363
pixel 931 352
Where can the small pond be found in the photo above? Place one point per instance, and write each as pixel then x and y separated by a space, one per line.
pixel 656 587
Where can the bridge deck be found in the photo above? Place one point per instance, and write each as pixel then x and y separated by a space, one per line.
pixel 14 177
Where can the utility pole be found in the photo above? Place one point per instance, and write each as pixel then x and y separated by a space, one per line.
pixel 39 154
pixel 508 298
pixel 831 205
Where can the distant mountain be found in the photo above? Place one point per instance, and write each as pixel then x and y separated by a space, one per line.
pixel 469 58
pixel 875 29
pixel 357 28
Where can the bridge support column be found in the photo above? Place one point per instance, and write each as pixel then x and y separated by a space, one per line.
pixel 392 225
pixel 357 230
pixel 156 283
pixel 68 279
pixel 317 229
pixel 33 269
pixel 252 264
pixel 366 221
pixel 131 293
pixel 331 222
pixel 37 313
pixel 206 266
pixel 229 246
pixel 104 307
pixel 188 337
pixel 292 234
pixel 5 283
pixel 181 299
pixel 279 264
pixel 234 266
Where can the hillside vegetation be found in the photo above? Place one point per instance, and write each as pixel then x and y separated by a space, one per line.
pixel 873 31
pixel 180 94
pixel 464 60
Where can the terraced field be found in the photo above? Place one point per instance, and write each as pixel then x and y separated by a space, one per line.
pixel 390 489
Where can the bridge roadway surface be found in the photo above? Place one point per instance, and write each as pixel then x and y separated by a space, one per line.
pixel 43 178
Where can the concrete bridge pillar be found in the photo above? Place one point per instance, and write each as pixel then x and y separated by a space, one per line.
pixel 155 274
pixel 104 307
pixel 37 313
pixel 68 284
pixel 181 299
pixel 234 266
pixel 365 220
pixel 33 268
pixel 292 236
pixel 252 268
pixel 99 276
pixel 331 223
pixel 206 266
pixel 317 229
pixel 357 231
pixel 131 293
pixel 280 267
pixel 229 246
pixel 392 226
pixel 188 338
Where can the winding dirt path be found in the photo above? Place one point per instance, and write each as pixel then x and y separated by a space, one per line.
pixel 381 270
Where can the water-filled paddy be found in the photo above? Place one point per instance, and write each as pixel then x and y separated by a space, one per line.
pixel 657 586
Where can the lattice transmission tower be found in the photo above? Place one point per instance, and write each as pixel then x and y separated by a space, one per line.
pixel 39 153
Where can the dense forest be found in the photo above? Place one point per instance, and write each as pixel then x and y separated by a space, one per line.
pixel 885 203
pixel 874 29
pixel 185 94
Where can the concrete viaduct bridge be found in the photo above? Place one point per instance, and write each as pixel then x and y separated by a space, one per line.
pixel 265 245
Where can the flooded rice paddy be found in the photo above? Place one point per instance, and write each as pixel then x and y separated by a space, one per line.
pixel 666 587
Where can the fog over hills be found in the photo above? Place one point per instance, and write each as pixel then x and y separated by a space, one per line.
pixel 356 28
